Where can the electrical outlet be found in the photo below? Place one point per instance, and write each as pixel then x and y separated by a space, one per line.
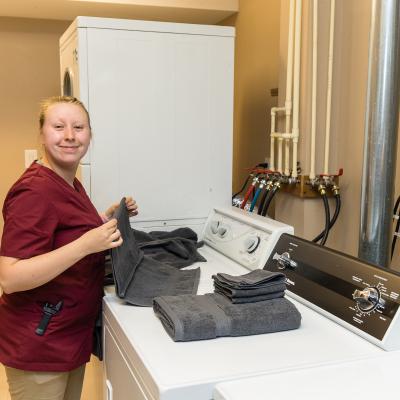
pixel 30 157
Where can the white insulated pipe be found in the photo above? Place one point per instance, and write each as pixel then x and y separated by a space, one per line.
pixel 287 157
pixel 314 88
pixel 289 82
pixel 329 88
pixel 291 108
pixel 296 86
pixel 274 135
pixel 271 150
pixel 288 104
pixel 280 142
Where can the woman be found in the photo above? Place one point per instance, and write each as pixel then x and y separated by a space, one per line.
pixel 52 262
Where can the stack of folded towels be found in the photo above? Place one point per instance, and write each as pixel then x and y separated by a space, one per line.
pixel 257 285
pixel 249 304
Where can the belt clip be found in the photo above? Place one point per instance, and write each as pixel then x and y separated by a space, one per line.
pixel 48 312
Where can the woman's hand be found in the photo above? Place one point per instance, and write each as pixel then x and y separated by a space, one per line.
pixel 106 236
pixel 131 206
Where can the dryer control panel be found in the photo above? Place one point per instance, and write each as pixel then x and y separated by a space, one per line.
pixel 360 296
pixel 244 237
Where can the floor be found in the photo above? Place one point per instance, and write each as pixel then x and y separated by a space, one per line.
pixel 92 385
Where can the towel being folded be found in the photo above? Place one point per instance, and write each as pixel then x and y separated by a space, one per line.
pixel 194 317
pixel 177 248
pixel 139 277
pixel 257 285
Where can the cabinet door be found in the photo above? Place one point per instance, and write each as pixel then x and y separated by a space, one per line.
pixel 69 71
pixel 161 107
pixel 120 381
pixel 73 71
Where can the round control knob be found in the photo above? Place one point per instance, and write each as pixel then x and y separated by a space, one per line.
pixel 367 299
pixel 222 231
pixel 214 227
pixel 251 244
pixel 285 260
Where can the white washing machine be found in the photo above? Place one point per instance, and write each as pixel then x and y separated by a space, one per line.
pixel 362 298
pixel 142 362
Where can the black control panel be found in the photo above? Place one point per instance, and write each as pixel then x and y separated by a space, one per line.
pixel 361 294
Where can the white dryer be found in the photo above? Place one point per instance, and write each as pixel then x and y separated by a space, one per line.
pixel 160 97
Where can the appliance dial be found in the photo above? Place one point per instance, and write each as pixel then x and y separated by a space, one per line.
pixel 222 231
pixel 214 226
pixel 284 260
pixel 368 299
pixel 251 243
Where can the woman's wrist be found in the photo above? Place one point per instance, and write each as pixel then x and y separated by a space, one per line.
pixel 104 217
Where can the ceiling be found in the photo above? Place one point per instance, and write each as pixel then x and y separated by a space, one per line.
pixel 189 11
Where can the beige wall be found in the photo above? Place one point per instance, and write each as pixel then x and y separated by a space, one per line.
pixel 256 73
pixel 352 20
pixel 348 116
pixel 29 71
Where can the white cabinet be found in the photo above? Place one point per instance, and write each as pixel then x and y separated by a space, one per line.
pixel 160 96
pixel 120 381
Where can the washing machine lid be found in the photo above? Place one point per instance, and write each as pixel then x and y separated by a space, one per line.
pixel 377 377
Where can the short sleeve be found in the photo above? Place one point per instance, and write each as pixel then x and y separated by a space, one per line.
pixel 30 221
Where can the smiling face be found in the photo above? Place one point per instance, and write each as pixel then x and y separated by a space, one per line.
pixel 65 135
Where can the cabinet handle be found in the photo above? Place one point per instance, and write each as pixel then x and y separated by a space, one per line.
pixel 109 390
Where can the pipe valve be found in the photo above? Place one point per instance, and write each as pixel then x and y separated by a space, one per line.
pixel 322 189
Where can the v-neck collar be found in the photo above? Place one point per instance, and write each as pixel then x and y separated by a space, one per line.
pixel 52 174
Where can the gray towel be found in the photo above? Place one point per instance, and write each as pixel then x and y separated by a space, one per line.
pixel 194 317
pixel 257 285
pixel 139 277
pixel 248 299
pixel 177 248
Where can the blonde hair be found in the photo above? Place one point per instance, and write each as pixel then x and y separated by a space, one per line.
pixel 47 103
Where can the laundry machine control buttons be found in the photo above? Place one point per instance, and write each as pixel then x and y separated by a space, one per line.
pixel 368 299
pixel 284 260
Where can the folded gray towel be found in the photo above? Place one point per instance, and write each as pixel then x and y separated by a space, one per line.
pixel 248 299
pixel 139 277
pixel 194 317
pixel 251 280
pixel 257 285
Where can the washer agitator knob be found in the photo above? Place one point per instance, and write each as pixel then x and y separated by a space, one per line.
pixel 368 299
pixel 284 260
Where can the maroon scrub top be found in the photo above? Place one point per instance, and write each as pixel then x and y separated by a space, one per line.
pixel 42 212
